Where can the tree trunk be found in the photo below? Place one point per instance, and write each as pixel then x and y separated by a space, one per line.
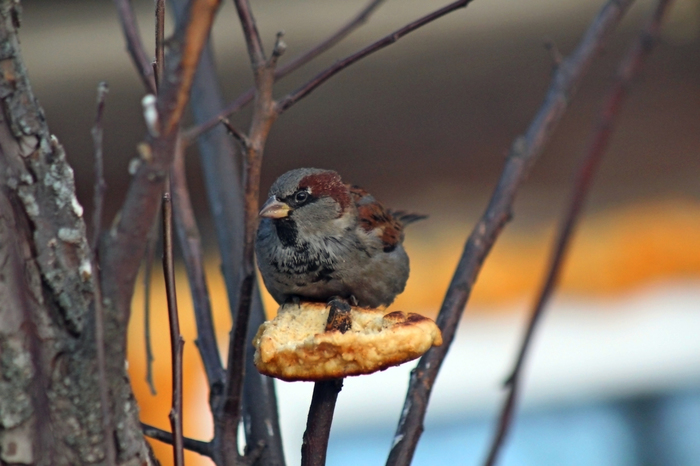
pixel 50 410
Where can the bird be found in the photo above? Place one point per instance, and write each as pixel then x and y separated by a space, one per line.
pixel 320 239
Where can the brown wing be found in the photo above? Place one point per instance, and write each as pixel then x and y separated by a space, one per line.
pixel 375 218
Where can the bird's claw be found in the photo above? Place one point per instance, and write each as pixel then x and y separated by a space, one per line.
pixel 338 315
pixel 293 299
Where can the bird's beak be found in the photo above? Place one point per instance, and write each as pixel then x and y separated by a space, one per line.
pixel 274 209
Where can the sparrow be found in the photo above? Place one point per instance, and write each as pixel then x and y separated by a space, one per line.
pixel 320 239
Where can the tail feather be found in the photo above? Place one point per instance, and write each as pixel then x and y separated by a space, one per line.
pixel 407 217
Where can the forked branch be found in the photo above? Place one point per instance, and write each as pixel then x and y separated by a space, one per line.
pixel 193 255
pixel 265 112
pixel 325 75
pixel 228 417
pixel 251 34
pixel 628 68
pixel 523 154
pixel 244 99
pixel 122 253
pixel 134 44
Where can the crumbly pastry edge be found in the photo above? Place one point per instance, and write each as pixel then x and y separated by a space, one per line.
pixel 295 346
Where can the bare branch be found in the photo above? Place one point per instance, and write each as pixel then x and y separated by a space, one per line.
pixel 126 240
pixel 264 115
pixel 250 31
pixel 293 65
pixel 147 269
pixel 241 101
pixel 176 342
pixel 230 414
pixel 628 68
pixel 191 246
pixel 261 418
pixel 225 199
pixel 100 186
pixel 237 135
pixel 329 42
pixel 197 446
pixel 235 367
pixel 159 65
pixel 195 35
pixel 523 154
pixel 325 75
pixel 318 424
pixel 107 427
pixel 135 45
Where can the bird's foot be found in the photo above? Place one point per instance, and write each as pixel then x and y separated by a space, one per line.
pixel 293 299
pixel 339 315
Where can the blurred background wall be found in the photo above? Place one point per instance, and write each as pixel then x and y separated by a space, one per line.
pixel 425 126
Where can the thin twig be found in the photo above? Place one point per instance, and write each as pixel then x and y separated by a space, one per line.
pixel 241 138
pixel 325 75
pixel 224 194
pixel 241 101
pixel 251 34
pixel 176 342
pixel 523 154
pixel 135 44
pixel 628 68
pixel 123 251
pixel 97 133
pixel 192 133
pixel 160 41
pixel 235 368
pixel 260 413
pixel 197 446
pixel 100 186
pixel 191 246
pixel 157 66
pixel 318 424
pixel 147 269
pixel 264 114
pixel 359 19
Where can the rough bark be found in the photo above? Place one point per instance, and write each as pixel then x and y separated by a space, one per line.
pixel 50 410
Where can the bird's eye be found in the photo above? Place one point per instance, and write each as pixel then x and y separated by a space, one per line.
pixel 301 197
